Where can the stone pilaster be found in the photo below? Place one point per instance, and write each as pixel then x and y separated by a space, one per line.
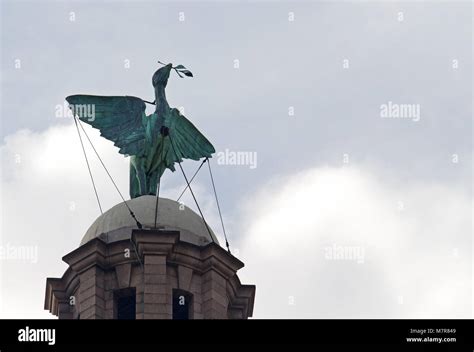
pixel 157 296
pixel 91 294
pixel 214 296
pixel 157 263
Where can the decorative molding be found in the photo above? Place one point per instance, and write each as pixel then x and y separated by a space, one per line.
pixel 221 295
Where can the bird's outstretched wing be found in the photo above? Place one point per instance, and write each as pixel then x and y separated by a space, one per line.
pixel 121 120
pixel 188 142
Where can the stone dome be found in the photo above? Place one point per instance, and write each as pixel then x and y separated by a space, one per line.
pixel 116 223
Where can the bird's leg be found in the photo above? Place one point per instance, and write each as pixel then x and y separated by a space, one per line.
pixel 142 180
pixel 139 164
pixel 134 182
pixel 153 183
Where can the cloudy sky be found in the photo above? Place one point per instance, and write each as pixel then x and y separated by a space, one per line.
pixel 348 210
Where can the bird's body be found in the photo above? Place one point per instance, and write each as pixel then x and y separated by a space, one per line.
pixel 154 142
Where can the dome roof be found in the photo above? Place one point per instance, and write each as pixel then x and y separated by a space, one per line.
pixel 116 223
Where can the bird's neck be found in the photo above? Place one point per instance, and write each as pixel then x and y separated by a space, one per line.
pixel 161 103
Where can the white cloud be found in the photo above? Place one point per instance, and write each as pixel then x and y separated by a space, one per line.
pixel 418 256
pixel 48 203
pixel 415 240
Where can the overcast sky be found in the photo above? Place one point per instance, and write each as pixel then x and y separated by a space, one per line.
pixel 302 86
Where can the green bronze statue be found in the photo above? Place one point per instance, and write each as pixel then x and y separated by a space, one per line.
pixel 154 142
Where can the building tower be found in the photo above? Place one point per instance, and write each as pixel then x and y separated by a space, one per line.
pixel 177 270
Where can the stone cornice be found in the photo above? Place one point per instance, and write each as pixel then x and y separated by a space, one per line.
pixel 200 259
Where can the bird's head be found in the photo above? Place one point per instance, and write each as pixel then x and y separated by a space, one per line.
pixel 162 74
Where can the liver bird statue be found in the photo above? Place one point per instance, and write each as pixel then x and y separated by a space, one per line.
pixel 154 142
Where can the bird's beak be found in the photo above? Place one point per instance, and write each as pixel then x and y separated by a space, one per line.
pixel 166 65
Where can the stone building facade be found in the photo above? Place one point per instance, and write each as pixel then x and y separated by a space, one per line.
pixel 177 270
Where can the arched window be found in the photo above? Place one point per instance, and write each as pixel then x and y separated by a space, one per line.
pixel 182 305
